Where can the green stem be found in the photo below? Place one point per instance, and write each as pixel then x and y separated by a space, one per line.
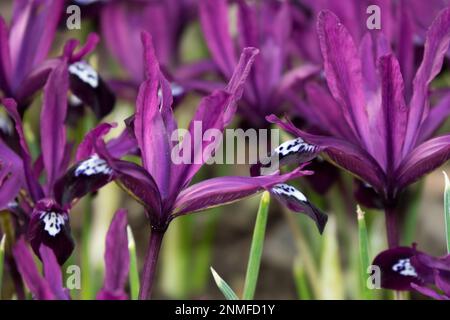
pixel 86 274
pixel 447 211
pixel 363 252
pixel 134 272
pixel 256 249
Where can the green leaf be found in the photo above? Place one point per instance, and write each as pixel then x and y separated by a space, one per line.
pixel 254 261
pixel 363 252
pixel 223 286
pixel 88 292
pixel 134 272
pixel 2 256
pixel 301 280
pixel 332 280
pixel 447 210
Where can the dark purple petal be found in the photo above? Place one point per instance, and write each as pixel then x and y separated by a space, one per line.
pixel 343 72
pixel 214 21
pixel 5 61
pixel 89 87
pixel 52 273
pixel 53 116
pixel 33 186
pixel 442 280
pixel 31 35
pixel 138 183
pixel 324 177
pixel 297 202
pixel 394 111
pixel 347 155
pixel 11 175
pixel 91 42
pixel 428 292
pixel 149 126
pixel 117 259
pixel 124 144
pixel 87 147
pixel 237 81
pixel 220 191
pixel 436 45
pixel 86 176
pixel 49 225
pixel 422 160
pixel 442 264
pixel 214 112
pixel 397 270
pixel 34 81
pixel 30 274
pixel 367 196
pixel 437 115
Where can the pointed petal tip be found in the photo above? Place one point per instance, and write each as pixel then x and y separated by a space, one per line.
pixel 447 181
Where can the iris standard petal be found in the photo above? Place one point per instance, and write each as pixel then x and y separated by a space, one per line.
pixel 53 116
pixel 117 259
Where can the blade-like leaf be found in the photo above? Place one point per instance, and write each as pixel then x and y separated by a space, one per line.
pixel 256 249
pixel 447 211
pixel 223 286
pixel 301 280
pixel 363 251
pixel 134 272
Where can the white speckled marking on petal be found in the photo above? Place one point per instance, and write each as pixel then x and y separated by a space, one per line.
pixel 92 166
pixel 404 267
pixel 289 191
pixel 294 146
pixel 85 72
pixel 53 222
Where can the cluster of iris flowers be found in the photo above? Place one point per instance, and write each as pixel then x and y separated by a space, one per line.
pixel 361 105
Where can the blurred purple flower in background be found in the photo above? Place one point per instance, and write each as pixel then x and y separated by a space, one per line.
pixel 24 62
pixel 121 24
pixel 265 25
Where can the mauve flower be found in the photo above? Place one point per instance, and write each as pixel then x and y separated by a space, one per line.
pixel 121 24
pixel 24 62
pixel 403 27
pixel 161 185
pixel 265 25
pixel 50 286
pixel 405 268
pixel 26 44
pixel 47 204
pixel 376 134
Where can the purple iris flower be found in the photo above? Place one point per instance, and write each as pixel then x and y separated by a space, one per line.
pixel 25 45
pixel 46 205
pixel 403 26
pixel 161 185
pixel 50 286
pixel 121 23
pixel 24 62
pixel 374 132
pixel 406 268
pixel 265 25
